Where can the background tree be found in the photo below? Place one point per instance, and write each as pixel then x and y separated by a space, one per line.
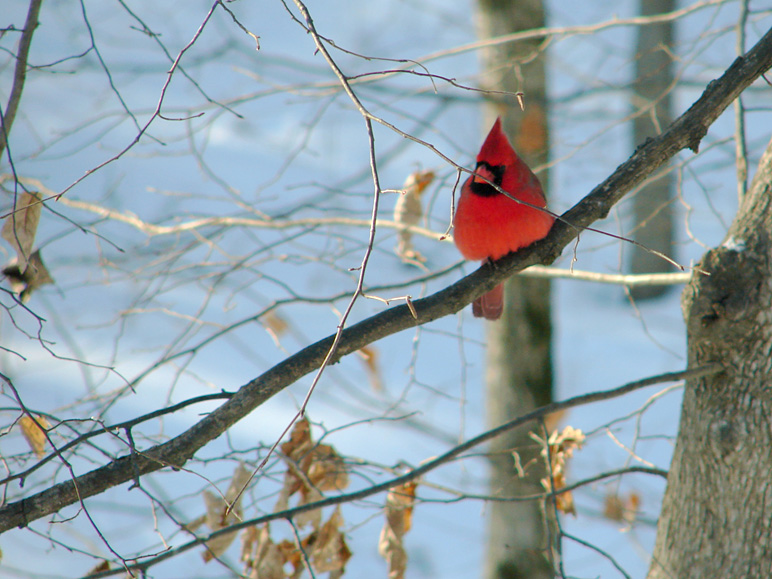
pixel 519 362
pixel 186 216
pixel 723 432
pixel 654 204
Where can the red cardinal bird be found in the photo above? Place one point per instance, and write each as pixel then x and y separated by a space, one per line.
pixel 488 225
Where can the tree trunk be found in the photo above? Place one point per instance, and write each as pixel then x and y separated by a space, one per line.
pixel 716 516
pixel 653 203
pixel 519 373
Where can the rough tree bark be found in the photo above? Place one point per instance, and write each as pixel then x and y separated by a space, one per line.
pixel 716 516
pixel 519 364
pixel 652 89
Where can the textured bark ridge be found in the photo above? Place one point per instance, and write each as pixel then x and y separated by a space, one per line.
pixel 716 517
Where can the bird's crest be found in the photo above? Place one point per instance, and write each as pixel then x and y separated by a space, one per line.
pixel 497 150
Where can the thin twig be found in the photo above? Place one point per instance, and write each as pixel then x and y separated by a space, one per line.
pixel 299 544
pixel 687 131
pixel 540 271
pixel 599 551
pixel 156 113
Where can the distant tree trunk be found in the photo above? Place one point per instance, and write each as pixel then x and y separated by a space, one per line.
pixel 716 516
pixel 653 204
pixel 519 373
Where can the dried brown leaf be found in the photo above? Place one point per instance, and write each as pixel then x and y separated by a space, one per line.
pixel 564 502
pixel 408 211
pixel 282 503
pixel 263 559
pixel 558 449
pixel 216 520
pixel 222 512
pixel 34 433
pixel 370 357
pixel 399 507
pixel 634 502
pixel 326 469
pixel 311 469
pixel 294 557
pixel 195 523
pixel 240 478
pixel 553 419
pixel 314 516
pixel 249 540
pixel 613 508
pixel 300 441
pixel 390 547
pixel 21 226
pixel 275 324
pixel 399 516
pixel 295 450
pixel 328 550
pixel 103 566
pixel 618 509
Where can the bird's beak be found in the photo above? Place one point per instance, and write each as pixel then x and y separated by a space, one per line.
pixel 483 175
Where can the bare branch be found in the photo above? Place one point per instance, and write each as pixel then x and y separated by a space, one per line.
pixel 629 280
pixel 20 73
pixel 686 132
pixel 157 112
pixel 570 30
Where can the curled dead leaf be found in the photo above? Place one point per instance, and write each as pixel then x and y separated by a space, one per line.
pixel 262 558
pixel 314 516
pixel 621 509
pixel 300 441
pixel 564 502
pixel 103 566
pixel 553 419
pixel 370 357
pixel 399 519
pixel 408 211
pixel 324 548
pixel 292 556
pixel 275 325
pixel 21 226
pixel 557 450
pixel 613 508
pixel 312 468
pixel 34 433
pixel 327 547
pixel 326 469
pixel 223 512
